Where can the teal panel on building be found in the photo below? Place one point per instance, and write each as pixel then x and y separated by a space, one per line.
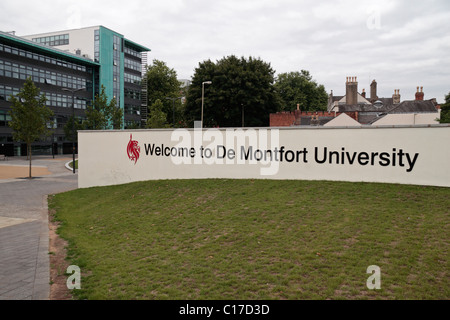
pixel 111 59
pixel 106 61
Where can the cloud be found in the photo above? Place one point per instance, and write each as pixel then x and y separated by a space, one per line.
pixel 400 43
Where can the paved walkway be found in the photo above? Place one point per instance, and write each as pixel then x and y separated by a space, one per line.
pixel 24 238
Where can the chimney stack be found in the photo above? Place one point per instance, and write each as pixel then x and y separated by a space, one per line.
pixel 373 91
pixel 351 91
pixel 396 96
pixel 419 94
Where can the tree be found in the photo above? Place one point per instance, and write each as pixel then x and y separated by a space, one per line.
pixel 445 110
pixel 162 83
pixel 69 131
pixel 102 115
pixel 299 88
pixel 30 117
pixel 241 89
pixel 116 115
pixel 156 117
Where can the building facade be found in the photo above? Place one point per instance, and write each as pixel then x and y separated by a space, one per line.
pixel 372 109
pixel 364 110
pixel 65 61
pixel 121 62
pixel 51 70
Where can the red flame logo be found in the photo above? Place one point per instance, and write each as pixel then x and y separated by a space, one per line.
pixel 133 149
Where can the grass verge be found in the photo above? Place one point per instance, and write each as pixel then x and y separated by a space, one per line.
pixel 71 164
pixel 256 239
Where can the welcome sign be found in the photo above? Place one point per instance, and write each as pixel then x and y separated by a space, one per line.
pixel 408 155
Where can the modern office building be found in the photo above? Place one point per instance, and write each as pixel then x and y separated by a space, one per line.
pixel 86 58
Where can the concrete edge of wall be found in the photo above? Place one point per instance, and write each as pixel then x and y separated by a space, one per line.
pixel 443 125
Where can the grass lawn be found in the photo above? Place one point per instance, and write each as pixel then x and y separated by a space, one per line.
pixel 257 239
pixel 71 164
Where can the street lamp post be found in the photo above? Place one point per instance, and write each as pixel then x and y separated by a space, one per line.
pixel 203 94
pixel 242 114
pixel 73 121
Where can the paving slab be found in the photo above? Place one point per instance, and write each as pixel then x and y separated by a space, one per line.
pixel 24 238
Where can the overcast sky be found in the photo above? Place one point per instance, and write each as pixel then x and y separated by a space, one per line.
pixel 402 44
